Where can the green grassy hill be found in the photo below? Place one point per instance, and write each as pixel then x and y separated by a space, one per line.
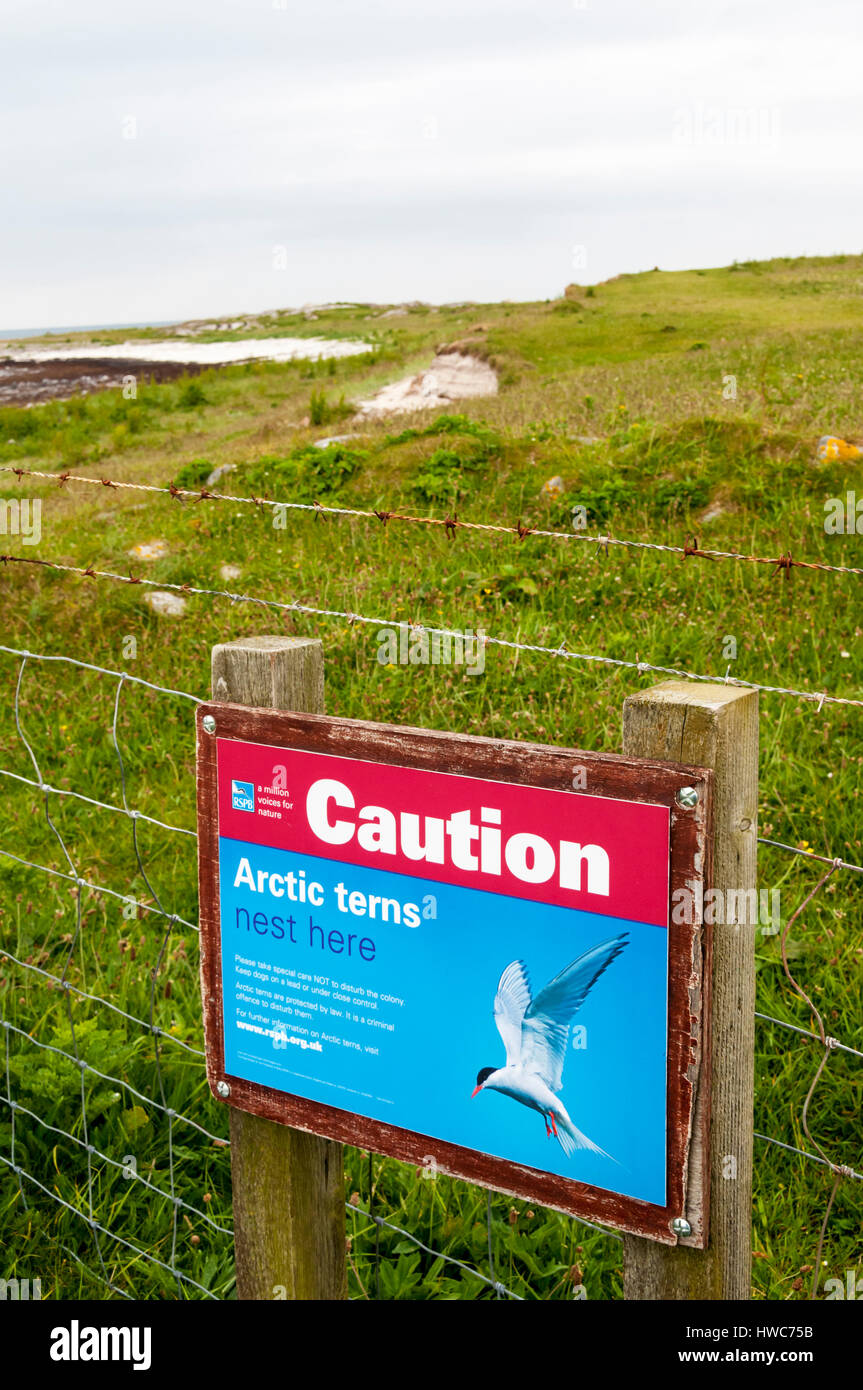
pixel 670 406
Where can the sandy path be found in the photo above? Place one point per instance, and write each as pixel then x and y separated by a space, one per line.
pixel 452 376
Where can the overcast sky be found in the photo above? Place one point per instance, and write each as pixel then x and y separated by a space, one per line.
pixel 177 158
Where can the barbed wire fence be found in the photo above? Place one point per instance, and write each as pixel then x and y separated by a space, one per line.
pixel 87 1200
pixel 783 563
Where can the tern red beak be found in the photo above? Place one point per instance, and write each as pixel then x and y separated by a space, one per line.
pixel 474 1091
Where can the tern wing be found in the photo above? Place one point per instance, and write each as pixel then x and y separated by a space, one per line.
pixel 545 1028
pixel 510 1004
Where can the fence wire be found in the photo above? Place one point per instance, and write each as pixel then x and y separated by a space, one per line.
pixel 783 563
pixel 561 652
pixel 83 1200
pixel 88 1197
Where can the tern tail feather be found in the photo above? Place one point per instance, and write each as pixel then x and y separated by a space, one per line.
pixel 571 1138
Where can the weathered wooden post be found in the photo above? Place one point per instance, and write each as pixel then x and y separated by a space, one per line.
pixel 289 1214
pixel 712 726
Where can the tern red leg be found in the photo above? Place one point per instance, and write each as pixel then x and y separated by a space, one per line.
pixel 553 1125
pixel 547 1130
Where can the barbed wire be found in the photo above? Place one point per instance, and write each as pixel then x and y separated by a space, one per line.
pixel 562 652
pixel 782 563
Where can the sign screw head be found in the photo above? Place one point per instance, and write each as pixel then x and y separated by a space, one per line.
pixel 223 1089
pixel 681 1227
pixel 209 724
pixel 684 796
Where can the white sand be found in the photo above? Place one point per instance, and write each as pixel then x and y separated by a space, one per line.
pixel 206 354
pixel 452 376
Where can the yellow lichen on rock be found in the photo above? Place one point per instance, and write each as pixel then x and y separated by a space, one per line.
pixel 832 449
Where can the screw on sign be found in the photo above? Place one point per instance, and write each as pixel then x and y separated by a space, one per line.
pixel 687 797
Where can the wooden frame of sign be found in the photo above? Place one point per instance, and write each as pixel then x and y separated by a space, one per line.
pixel 689 954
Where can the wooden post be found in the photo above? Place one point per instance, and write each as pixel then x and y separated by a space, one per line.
pixel 713 726
pixel 289 1214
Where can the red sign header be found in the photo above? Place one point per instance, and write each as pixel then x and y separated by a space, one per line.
pixel 574 850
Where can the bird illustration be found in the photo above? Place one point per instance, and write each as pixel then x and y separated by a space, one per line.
pixel 535 1034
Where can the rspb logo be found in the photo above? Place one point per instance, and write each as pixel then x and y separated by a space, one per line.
pixel 242 796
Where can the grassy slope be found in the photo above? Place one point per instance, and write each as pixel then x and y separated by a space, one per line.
pixel 638 367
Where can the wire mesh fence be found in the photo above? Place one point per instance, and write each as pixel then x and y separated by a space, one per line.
pixel 116 1157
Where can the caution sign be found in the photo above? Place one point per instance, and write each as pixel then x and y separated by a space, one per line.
pixel 461 952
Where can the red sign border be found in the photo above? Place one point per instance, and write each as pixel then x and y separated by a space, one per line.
pixel 689 954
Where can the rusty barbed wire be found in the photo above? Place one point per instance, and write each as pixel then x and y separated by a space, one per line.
pixel 820 698
pixel 690 549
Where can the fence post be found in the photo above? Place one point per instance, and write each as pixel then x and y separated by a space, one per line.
pixel 288 1187
pixel 713 726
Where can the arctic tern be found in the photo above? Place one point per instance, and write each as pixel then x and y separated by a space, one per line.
pixel 535 1033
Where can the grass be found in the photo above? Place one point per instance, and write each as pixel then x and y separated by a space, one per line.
pixel 634 420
